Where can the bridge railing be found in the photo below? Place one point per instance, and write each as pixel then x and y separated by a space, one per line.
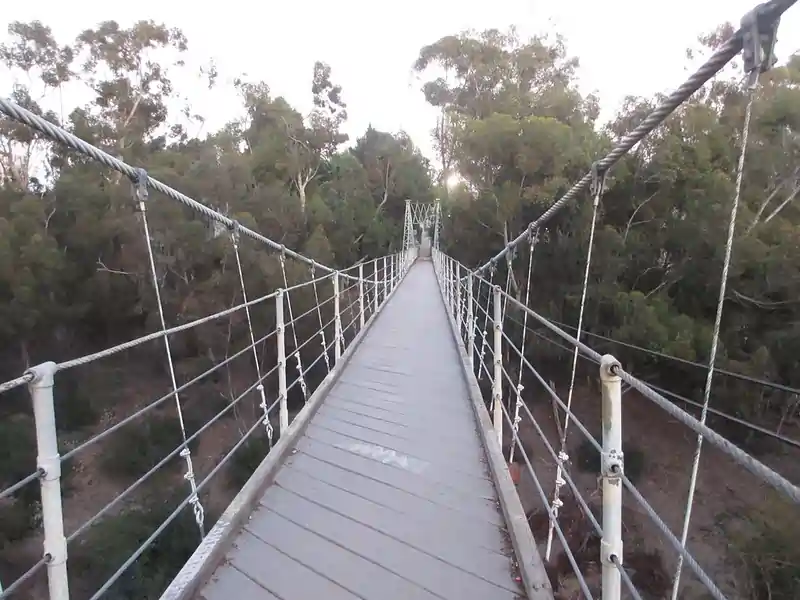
pixel 341 310
pixel 326 307
pixel 480 312
pixel 343 303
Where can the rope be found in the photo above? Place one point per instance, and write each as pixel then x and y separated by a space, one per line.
pixel 717 325
pixel 260 386
pixel 140 191
pixel 298 360
pixel 517 418
pixel 564 542
pixel 599 181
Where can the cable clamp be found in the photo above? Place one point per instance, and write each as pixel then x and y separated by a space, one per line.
pixel 759 33
pixel 235 228
pixel 598 186
pixel 140 191
pixel 612 464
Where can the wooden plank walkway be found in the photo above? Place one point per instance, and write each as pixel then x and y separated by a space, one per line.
pixel 387 495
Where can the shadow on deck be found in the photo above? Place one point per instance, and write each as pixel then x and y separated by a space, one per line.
pixel 384 487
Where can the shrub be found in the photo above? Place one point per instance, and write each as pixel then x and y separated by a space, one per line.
pixel 17 449
pixel 112 541
pixel 770 553
pixel 74 408
pixel 247 458
pixel 139 446
pixel 17 520
pixel 201 405
pixel 650 577
pixel 22 512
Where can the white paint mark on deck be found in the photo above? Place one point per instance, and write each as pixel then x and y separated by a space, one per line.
pixel 386 456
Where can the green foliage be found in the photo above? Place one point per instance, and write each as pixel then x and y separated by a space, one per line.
pixel 769 551
pixel 111 542
pixel 74 268
pixel 247 458
pixel 18 515
pixel 74 408
pixel 513 125
pixel 516 129
pixel 21 513
pixel 140 446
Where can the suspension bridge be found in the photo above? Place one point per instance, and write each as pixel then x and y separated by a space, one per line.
pixel 397 478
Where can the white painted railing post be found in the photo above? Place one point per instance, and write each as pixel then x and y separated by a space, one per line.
pixel 470 322
pixel 497 384
pixel 452 286
pixel 337 319
pixel 457 284
pixel 447 284
pixel 361 317
pixel 385 280
pixel 377 289
pixel 612 468
pixel 280 330
pixel 49 461
pixel 394 271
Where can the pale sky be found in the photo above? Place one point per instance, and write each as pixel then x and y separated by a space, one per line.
pixel 625 46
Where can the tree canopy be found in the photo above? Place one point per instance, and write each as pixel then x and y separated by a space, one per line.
pixel 512 125
pixel 515 127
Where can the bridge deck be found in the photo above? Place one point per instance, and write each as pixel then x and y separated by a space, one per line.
pixel 387 495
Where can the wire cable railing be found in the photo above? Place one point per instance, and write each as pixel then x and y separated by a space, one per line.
pixel 473 304
pixel 360 302
pixel 327 305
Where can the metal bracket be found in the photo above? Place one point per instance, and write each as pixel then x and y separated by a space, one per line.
pixel 612 464
pixel 759 34
pixel 140 191
pixel 598 186
pixel 532 233
pixel 235 228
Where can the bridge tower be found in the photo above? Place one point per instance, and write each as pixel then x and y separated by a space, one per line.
pixel 419 218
